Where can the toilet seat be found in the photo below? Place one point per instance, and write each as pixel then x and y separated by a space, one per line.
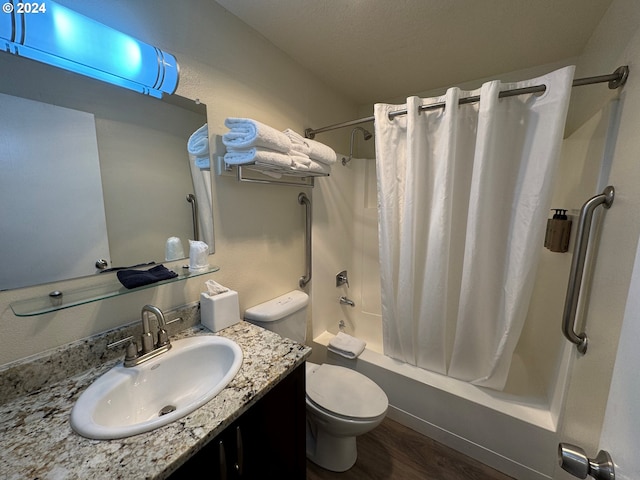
pixel 345 392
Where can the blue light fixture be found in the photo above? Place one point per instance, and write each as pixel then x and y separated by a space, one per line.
pixel 63 38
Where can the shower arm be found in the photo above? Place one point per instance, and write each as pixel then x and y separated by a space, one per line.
pixel 366 136
pixel 577 267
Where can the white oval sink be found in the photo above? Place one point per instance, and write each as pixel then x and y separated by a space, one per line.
pixel 128 401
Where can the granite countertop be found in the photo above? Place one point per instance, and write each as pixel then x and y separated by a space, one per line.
pixel 37 442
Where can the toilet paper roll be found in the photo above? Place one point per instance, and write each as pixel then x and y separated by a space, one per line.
pixel 198 255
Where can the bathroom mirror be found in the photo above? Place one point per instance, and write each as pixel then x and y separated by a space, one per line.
pixel 139 186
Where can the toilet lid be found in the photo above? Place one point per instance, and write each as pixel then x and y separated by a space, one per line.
pixel 346 392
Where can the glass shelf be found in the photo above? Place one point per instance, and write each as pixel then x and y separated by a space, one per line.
pixel 79 296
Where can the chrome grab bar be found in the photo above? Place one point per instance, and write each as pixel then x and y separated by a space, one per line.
pixel 304 200
pixel 191 198
pixel 577 267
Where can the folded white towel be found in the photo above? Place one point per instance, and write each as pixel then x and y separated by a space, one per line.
pixel 312 166
pixel 203 163
pixel 321 152
pixel 198 143
pixel 257 155
pixel 346 345
pixel 300 158
pixel 198 147
pixel 247 133
pixel 315 150
pixel 299 143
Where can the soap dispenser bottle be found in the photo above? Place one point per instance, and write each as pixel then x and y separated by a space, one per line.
pixel 558 232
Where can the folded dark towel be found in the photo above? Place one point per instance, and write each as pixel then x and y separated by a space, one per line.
pixel 138 278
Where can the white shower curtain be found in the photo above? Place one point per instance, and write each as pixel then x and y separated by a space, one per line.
pixel 463 197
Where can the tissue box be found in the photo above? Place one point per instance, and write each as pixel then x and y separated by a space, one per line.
pixel 219 311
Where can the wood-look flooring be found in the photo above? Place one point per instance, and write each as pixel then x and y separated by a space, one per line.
pixel 392 451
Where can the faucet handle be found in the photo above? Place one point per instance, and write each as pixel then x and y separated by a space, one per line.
pixel 341 279
pixel 163 338
pixel 132 352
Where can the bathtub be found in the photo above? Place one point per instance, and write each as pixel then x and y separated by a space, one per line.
pixel 514 431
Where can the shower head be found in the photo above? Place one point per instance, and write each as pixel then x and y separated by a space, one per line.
pixel 365 133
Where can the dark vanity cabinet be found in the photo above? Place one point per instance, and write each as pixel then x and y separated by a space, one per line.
pixel 266 442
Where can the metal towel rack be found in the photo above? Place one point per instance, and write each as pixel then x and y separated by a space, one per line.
pixel 577 267
pixel 304 200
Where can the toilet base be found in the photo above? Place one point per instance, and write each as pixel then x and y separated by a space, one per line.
pixel 337 454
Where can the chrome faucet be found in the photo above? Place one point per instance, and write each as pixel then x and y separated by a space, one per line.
pixel 347 301
pixel 149 348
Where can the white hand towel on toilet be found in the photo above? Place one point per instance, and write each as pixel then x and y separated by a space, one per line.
pixel 346 345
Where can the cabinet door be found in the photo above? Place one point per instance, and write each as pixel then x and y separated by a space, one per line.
pixel 274 432
pixel 266 442
pixel 220 459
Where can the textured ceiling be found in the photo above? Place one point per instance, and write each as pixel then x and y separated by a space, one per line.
pixel 376 50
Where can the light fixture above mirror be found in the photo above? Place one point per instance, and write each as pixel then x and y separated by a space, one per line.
pixel 59 36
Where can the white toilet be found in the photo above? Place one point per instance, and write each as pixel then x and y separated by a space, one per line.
pixel 341 403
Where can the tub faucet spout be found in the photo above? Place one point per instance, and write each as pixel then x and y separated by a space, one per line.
pixel 347 301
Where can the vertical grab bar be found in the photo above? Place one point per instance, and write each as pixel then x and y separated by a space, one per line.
pixel 577 267
pixel 191 198
pixel 304 200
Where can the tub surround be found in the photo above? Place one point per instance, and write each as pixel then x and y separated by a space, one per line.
pixel 38 393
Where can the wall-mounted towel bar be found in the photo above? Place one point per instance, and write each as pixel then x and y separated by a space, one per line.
pixel 292 179
pixel 267 174
pixel 304 200
pixel 577 267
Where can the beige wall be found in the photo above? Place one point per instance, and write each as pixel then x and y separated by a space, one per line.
pixel 258 228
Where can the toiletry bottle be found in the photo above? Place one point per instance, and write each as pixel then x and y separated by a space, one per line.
pixel 558 232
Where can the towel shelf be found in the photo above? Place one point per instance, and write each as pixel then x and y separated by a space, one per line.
pixel 268 174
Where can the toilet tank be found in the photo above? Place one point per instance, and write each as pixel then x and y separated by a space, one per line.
pixel 286 315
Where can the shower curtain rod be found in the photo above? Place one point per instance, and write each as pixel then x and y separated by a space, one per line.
pixel 616 79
